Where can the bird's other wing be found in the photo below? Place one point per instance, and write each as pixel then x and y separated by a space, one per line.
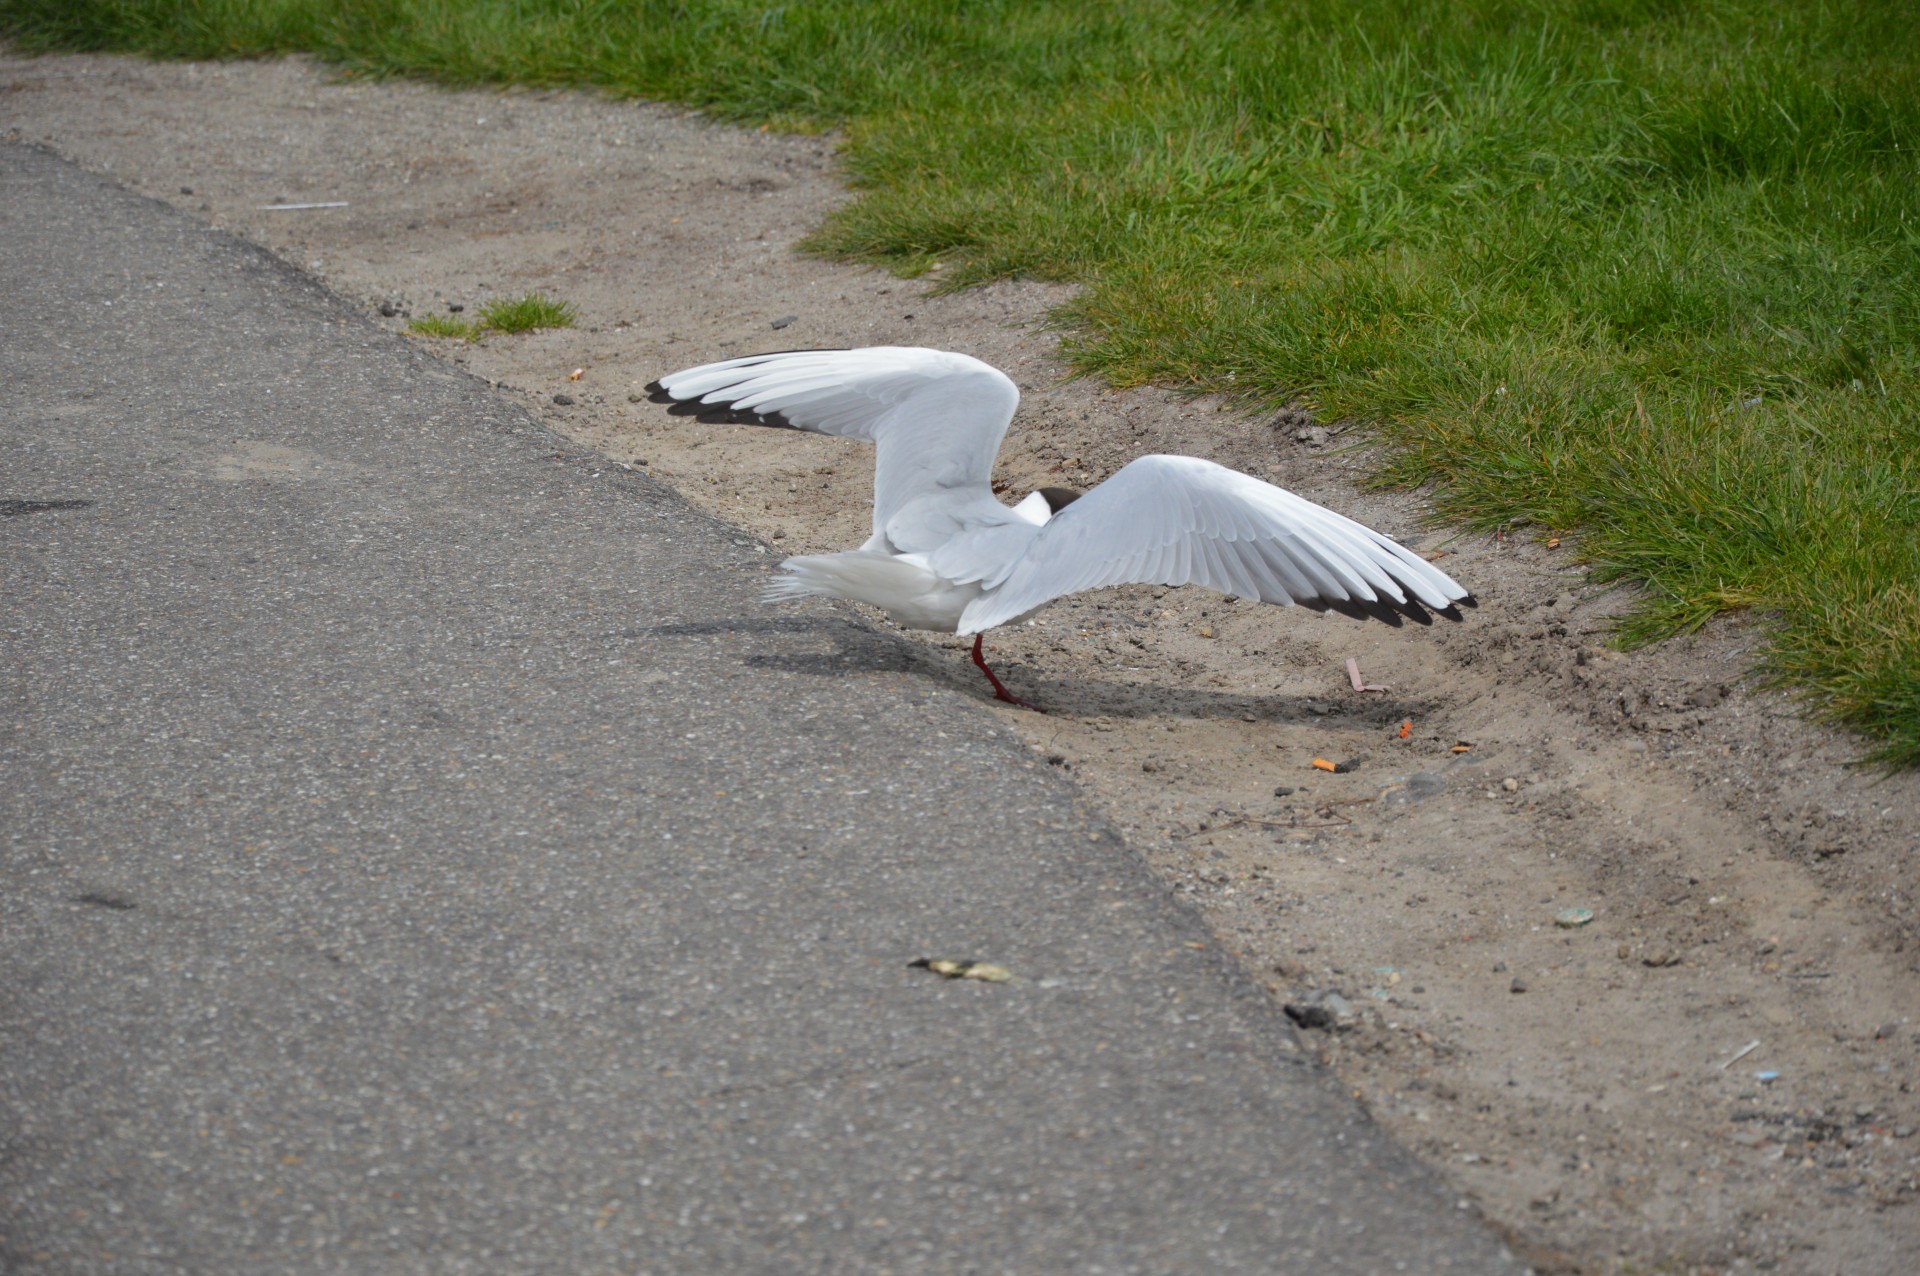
pixel 935 418
pixel 1177 520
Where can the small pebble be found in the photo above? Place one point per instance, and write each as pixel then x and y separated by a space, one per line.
pixel 564 400
pixel 455 307
pixel 1510 784
pixel 1518 984
pixel 1321 1010
pixel 784 320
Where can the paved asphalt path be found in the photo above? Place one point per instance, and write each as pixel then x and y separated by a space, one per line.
pixel 419 852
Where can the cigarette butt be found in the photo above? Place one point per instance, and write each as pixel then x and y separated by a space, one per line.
pixel 1406 728
pixel 1321 764
pixel 576 374
pixel 1462 747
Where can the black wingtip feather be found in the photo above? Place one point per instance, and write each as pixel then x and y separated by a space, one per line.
pixel 1362 610
pixel 1412 611
pixel 715 413
pixel 723 413
pixel 1392 613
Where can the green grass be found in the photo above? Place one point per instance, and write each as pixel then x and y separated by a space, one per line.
pixel 441 326
pixel 523 314
pixel 1641 270
pixel 526 313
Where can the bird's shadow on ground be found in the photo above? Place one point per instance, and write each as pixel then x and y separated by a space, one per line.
pixel 856 649
pixel 1088 697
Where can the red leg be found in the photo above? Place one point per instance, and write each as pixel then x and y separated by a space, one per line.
pixel 1000 691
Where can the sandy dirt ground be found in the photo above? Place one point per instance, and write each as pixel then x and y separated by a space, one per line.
pixel 1714 1072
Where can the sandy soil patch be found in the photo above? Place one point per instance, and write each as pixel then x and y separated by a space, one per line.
pixel 1715 1072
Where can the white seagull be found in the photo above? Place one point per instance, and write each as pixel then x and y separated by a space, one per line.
pixel 946 555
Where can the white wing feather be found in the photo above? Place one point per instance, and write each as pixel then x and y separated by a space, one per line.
pixel 935 418
pixel 1177 520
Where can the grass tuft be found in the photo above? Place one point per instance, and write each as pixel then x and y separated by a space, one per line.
pixel 1643 270
pixel 441 326
pixel 525 314
pixel 522 314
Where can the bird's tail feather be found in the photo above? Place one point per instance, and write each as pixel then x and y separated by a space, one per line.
pixel 863 577
pixel 901 586
pixel 791 584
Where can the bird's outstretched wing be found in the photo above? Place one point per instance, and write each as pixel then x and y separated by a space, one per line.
pixel 935 418
pixel 1176 520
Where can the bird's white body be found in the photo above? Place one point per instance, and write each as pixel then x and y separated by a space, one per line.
pixel 913 595
pixel 946 555
pixel 905 586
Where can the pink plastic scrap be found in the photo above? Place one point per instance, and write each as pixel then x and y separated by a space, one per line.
pixel 1353 673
